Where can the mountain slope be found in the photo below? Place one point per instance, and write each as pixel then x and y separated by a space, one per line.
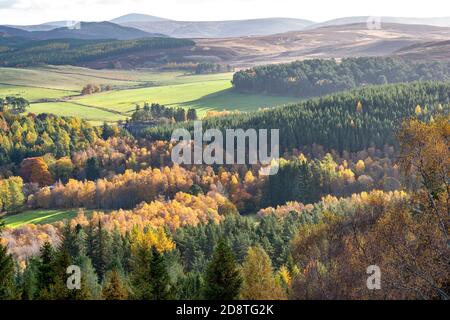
pixel 94 30
pixel 82 30
pixel 434 50
pixel 220 29
pixel 137 17
pixel 437 22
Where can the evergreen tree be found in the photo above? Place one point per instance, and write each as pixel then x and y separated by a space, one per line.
pixel 59 290
pixel 46 271
pixel 101 250
pixel 141 276
pixel 160 280
pixel 92 169
pixel 89 279
pixel 223 280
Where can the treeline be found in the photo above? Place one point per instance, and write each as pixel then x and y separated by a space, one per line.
pixel 319 77
pixel 72 51
pixel 348 121
pixel 208 68
pixel 157 112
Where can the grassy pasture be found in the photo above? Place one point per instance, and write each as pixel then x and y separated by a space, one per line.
pixel 40 217
pixel 131 87
pixel 70 109
pixel 34 93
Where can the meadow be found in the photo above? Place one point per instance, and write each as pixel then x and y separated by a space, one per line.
pixel 40 217
pixel 57 89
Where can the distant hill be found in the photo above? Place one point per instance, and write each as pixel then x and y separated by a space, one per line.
pixel 95 30
pixel 82 30
pixel 219 29
pixel 437 22
pixel 427 51
pixel 137 17
pixel 15 53
pixel 6 31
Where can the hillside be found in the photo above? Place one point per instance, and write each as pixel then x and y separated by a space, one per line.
pixel 219 29
pixel 437 22
pixel 242 52
pixel 434 50
pixel 334 41
pixel 77 51
pixel 82 30
pixel 134 17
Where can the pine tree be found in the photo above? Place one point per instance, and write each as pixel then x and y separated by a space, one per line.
pixel 46 271
pixel 58 289
pixel 101 250
pixel 223 280
pixel 258 278
pixel 141 276
pixel 89 279
pixel 160 280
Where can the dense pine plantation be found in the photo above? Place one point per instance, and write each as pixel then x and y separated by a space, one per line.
pixel 349 121
pixel 316 77
pixel 72 51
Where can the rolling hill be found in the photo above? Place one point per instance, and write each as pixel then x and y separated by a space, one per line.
pixel 133 17
pixel 434 50
pixel 219 29
pixel 82 30
pixel 436 22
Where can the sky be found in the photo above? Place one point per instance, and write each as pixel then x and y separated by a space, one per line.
pixel 28 12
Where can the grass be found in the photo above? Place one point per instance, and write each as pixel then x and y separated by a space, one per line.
pixel 75 110
pixel 203 96
pixel 32 93
pixel 40 217
pixel 131 87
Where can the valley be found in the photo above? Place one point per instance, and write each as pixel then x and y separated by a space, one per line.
pixel 94 116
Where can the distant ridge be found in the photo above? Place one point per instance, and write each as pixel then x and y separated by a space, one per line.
pixel 135 17
pixel 436 22
pixel 82 30
pixel 219 29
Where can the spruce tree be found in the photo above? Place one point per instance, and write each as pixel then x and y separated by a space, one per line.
pixel 160 280
pixel 223 280
pixel 141 275
pixel 46 271
pixel 101 250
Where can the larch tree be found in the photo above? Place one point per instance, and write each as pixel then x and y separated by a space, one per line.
pixel 258 279
pixel 114 288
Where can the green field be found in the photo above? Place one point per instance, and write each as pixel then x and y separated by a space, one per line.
pixel 33 94
pixel 75 110
pixel 40 217
pixel 130 87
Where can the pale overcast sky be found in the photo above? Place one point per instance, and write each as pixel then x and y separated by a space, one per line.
pixel 39 11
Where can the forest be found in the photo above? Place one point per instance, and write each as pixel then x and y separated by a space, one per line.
pixel 293 251
pixel 363 180
pixel 318 77
pixel 348 121
pixel 73 51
